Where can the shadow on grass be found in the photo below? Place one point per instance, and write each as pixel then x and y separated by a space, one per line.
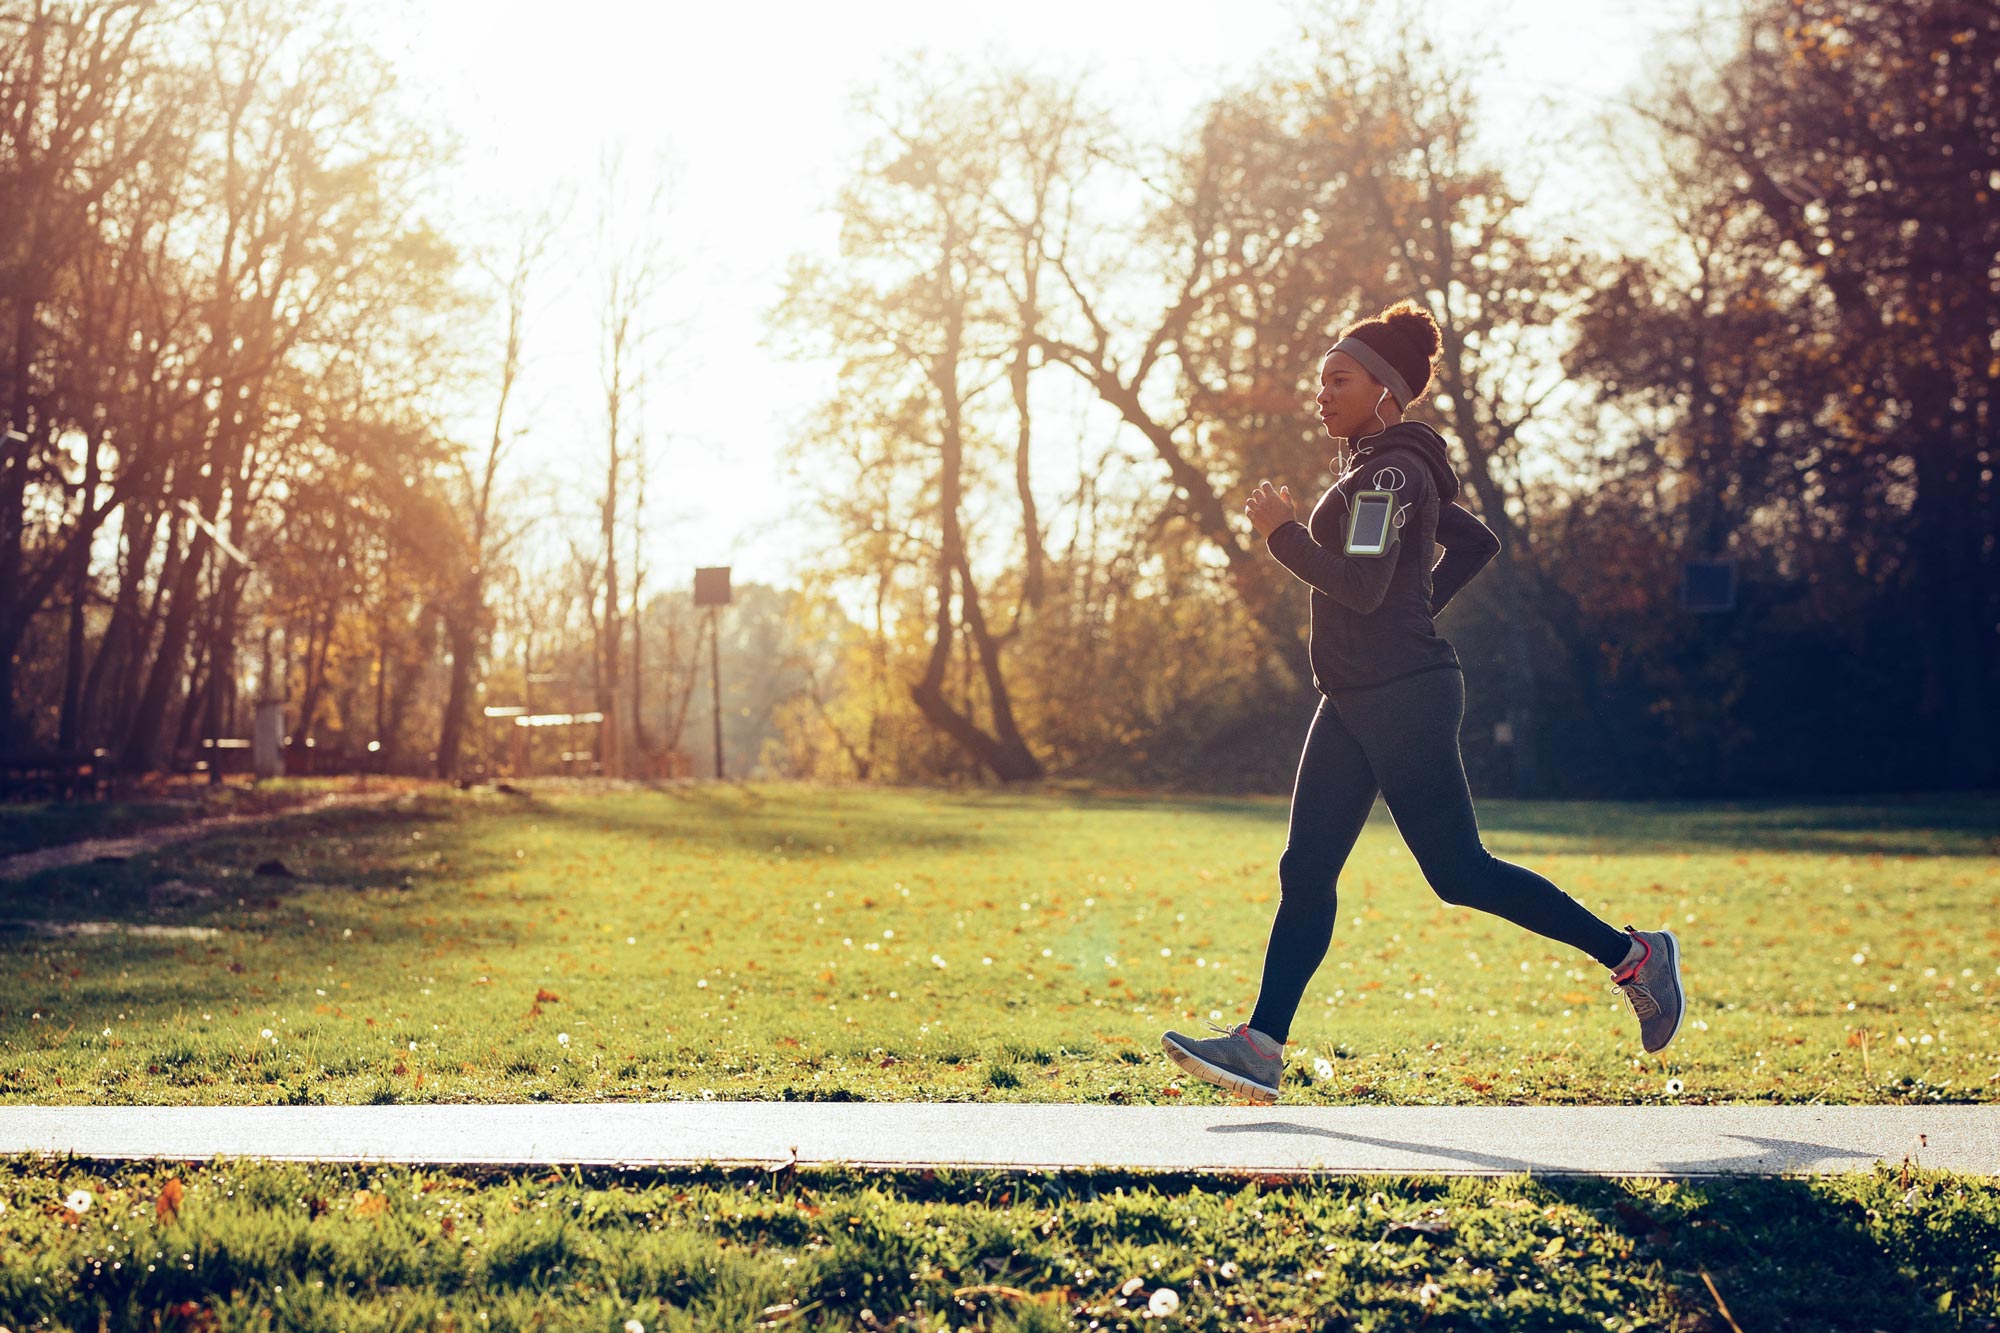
pixel 31 827
pixel 1931 825
pixel 209 881
pixel 1956 825
pixel 1837 1255
pixel 1910 1251
pixel 729 817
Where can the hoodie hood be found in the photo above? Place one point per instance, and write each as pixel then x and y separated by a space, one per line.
pixel 1428 445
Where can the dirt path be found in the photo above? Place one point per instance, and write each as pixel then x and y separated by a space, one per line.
pixel 147 840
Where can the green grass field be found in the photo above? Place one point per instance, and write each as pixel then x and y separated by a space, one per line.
pixel 264 1246
pixel 814 943
pixel 811 943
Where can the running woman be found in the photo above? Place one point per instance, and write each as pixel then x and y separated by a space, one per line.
pixel 1392 697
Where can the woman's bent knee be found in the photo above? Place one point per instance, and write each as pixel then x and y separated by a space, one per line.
pixel 1465 883
pixel 1304 879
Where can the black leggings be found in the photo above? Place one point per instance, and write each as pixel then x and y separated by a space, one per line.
pixel 1403 738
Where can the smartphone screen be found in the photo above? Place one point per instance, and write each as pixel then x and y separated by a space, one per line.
pixel 1368 530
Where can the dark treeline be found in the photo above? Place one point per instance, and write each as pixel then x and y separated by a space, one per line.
pixel 230 334
pixel 232 327
pixel 219 317
pixel 1795 381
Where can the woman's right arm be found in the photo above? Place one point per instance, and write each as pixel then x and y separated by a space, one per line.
pixel 1468 544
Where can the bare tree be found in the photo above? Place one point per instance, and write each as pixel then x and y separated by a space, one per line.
pixel 467 615
pixel 631 254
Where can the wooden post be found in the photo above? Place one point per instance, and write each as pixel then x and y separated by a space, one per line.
pixel 711 589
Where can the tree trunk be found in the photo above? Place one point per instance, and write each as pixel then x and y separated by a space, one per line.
pixel 1006 756
pixel 140 751
pixel 461 631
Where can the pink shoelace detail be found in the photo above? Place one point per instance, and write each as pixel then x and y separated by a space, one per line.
pixel 1627 980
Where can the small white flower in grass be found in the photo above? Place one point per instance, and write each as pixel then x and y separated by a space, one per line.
pixel 1132 1286
pixel 107 1032
pixel 708 1094
pixel 1429 1292
pixel 702 984
pixel 562 1039
pixel 1110 961
pixel 937 960
pixel 632 939
pixel 78 1201
pixel 986 962
pixel 1859 959
pixel 413 1046
pixel 634 1326
pixel 1323 1069
pixel 1674 1087
pixel 1163 1303
pixel 1215 1013
pixel 1229 1270
pixel 267 1032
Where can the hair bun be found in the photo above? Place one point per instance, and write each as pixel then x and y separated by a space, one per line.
pixel 1413 326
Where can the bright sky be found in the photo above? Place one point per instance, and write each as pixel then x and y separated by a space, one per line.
pixel 752 105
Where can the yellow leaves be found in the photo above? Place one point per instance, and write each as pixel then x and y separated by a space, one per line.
pixel 1553 1249
pixel 168 1206
pixel 368 1204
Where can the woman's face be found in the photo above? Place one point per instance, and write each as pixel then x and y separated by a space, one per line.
pixel 1349 398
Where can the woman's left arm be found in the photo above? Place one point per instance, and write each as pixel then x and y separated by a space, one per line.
pixel 1358 582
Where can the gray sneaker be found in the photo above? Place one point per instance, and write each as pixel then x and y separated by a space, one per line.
pixel 1242 1061
pixel 1653 984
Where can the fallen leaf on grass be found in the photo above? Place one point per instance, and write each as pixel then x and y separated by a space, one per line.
pixel 168 1205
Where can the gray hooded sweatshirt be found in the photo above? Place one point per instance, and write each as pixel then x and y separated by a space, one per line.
pixel 1372 615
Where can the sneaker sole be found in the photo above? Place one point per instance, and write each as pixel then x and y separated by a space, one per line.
pixel 1216 1074
pixel 1674 956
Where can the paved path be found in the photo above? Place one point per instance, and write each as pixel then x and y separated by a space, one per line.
pixel 1462 1140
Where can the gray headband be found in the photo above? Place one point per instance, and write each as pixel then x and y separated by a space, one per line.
pixel 1372 362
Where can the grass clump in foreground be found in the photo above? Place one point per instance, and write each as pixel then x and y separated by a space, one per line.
pixel 256 1246
pixel 810 943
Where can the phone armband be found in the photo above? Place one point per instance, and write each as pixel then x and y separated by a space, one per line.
pixel 1371 524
